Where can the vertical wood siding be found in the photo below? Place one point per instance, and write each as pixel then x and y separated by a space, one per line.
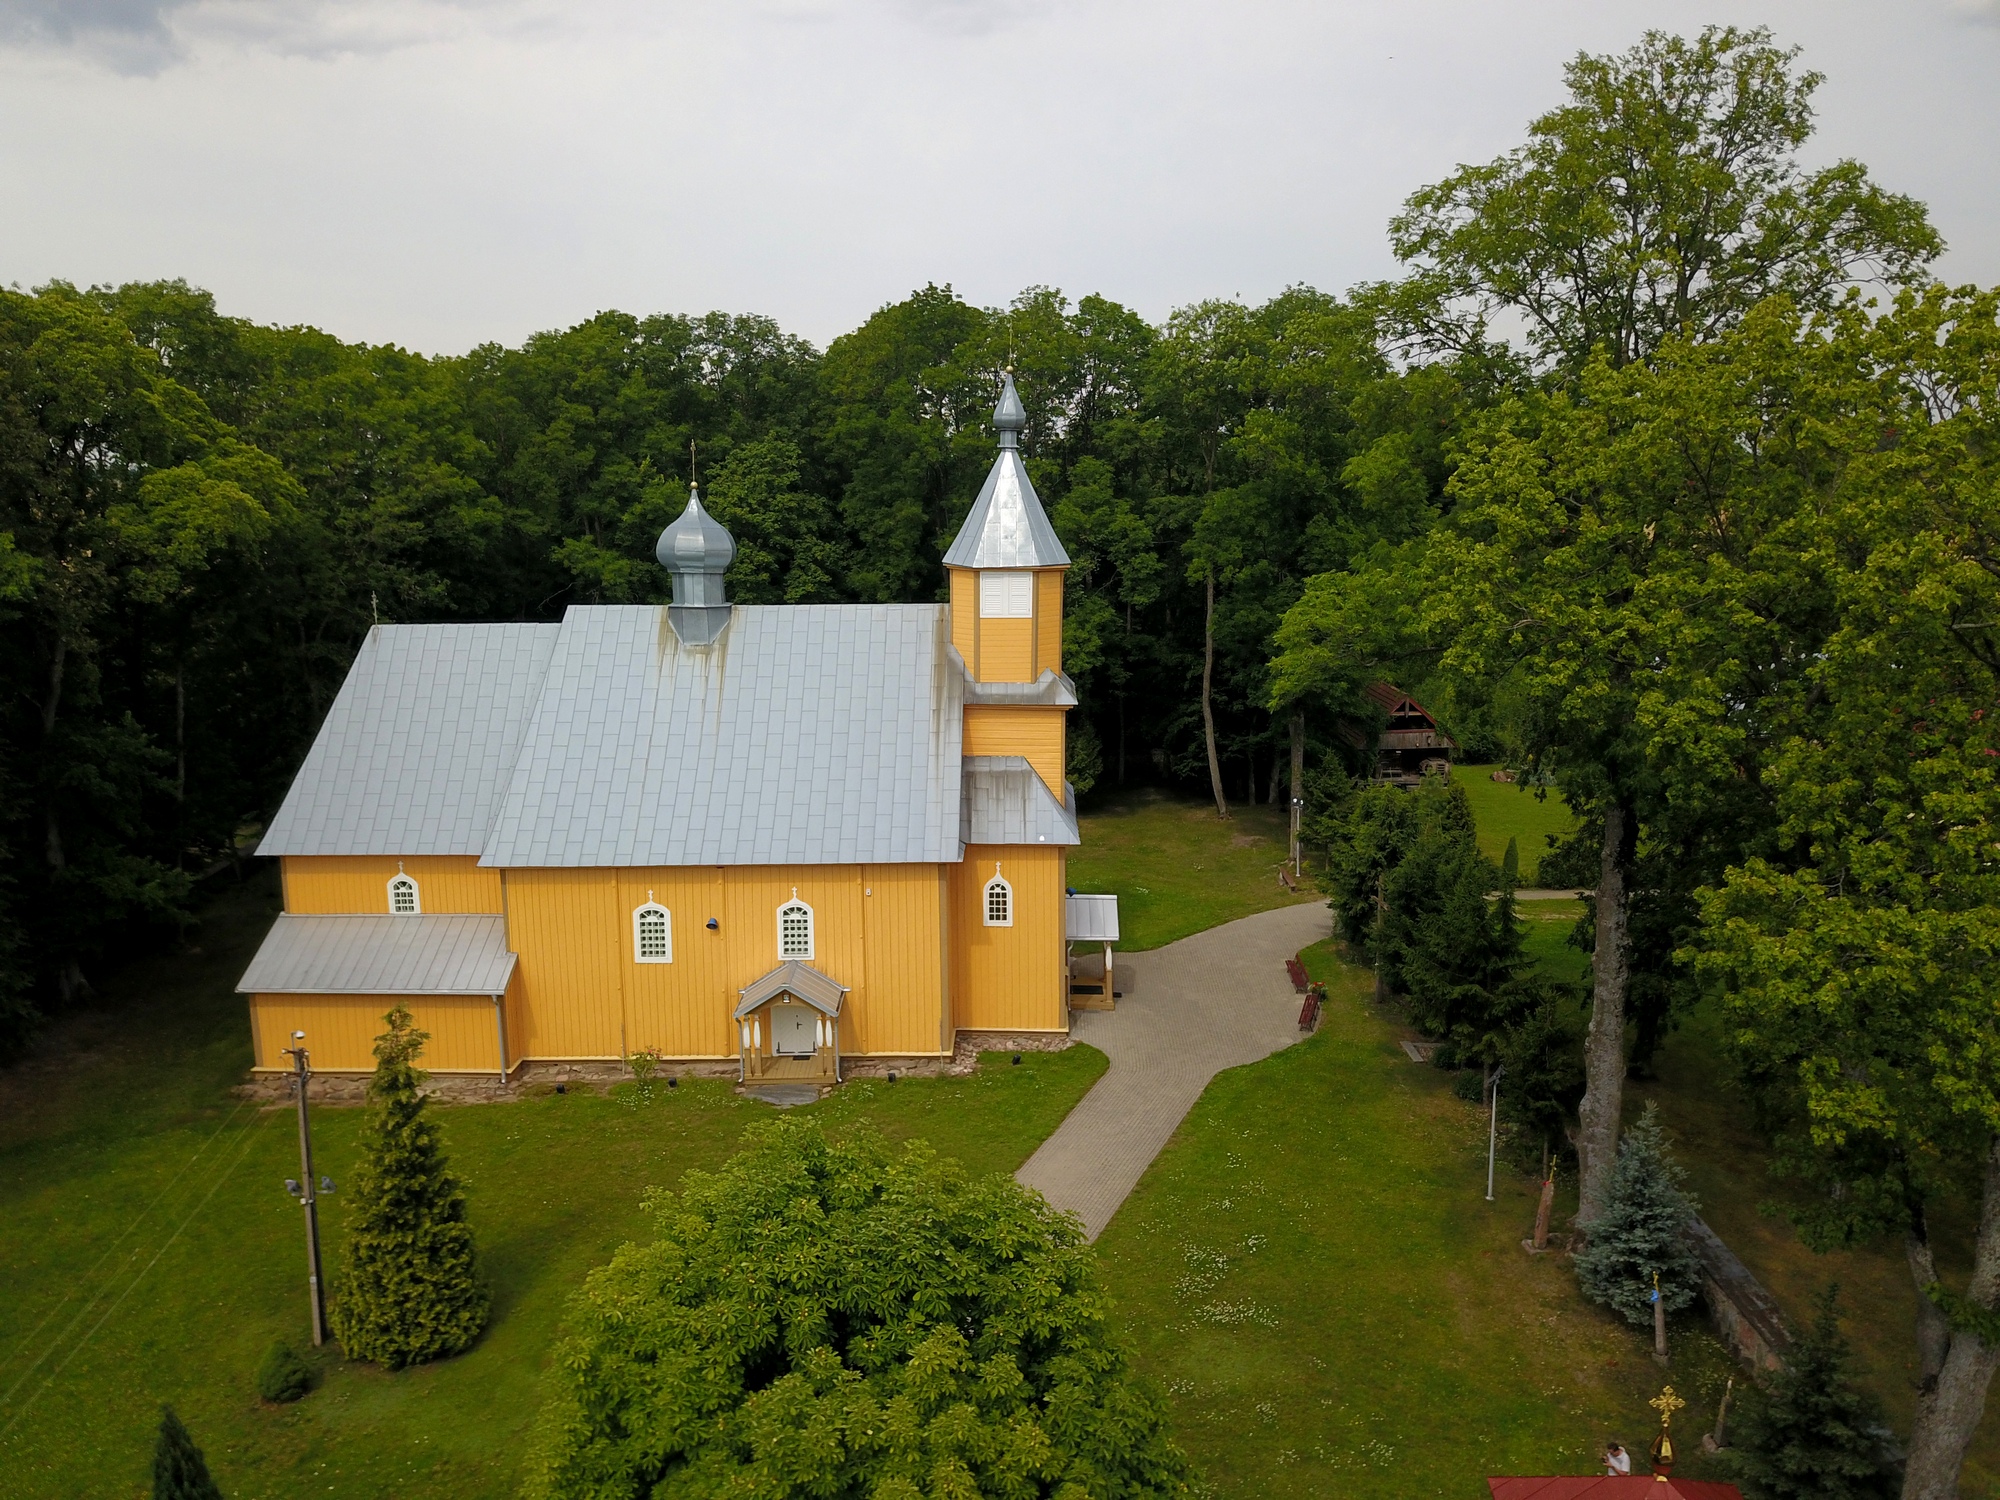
pixel 898 1008
pixel 446 883
pixel 573 936
pixel 1006 650
pixel 341 1030
pixel 965 616
pixel 1048 621
pixel 1037 733
pixel 1009 978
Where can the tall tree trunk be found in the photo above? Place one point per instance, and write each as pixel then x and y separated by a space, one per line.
pixel 1298 786
pixel 70 982
pixel 1603 1107
pixel 1207 706
pixel 1957 1364
pixel 1121 739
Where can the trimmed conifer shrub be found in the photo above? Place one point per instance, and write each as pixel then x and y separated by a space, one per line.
pixel 179 1470
pixel 1641 1233
pixel 409 1291
pixel 283 1376
pixel 838 1318
pixel 1808 1430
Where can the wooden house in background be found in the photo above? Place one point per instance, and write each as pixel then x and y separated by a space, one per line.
pixel 1411 746
pixel 769 840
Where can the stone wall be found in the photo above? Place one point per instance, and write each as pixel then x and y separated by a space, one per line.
pixel 1744 1312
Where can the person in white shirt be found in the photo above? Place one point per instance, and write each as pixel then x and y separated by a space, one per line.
pixel 1617 1460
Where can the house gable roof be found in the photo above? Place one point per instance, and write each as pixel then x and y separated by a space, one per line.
pixel 417 748
pixel 791 977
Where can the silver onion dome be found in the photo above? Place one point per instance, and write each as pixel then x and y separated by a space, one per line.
pixel 697 550
pixel 1009 417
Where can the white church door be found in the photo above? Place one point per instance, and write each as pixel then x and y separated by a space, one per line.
pixel 793 1033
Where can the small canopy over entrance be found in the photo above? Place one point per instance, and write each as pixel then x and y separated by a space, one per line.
pixel 1091 919
pixel 788 1026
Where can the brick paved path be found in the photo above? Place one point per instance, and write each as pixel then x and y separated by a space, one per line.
pixel 1213 1001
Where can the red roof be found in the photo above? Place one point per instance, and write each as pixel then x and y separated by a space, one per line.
pixel 1611 1487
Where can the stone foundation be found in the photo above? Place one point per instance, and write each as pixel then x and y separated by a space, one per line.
pixel 534 1078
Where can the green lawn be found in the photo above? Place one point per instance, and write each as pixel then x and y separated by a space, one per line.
pixel 1508 810
pixel 151 1254
pixel 1312 1270
pixel 1176 868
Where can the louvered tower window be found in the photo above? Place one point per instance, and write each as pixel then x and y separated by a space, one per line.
pixel 795 929
pixel 652 933
pixel 403 900
pixel 999 901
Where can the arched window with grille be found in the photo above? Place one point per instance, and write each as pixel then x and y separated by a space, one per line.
pixel 999 901
pixel 652 933
pixel 403 897
pixel 795 929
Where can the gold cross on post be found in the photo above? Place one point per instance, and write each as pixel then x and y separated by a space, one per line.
pixel 1666 1404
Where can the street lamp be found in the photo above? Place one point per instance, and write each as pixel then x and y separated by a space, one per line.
pixel 302 1188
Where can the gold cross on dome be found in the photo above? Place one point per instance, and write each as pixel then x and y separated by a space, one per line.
pixel 1666 1404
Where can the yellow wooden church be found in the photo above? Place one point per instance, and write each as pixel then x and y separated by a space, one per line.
pixel 762 837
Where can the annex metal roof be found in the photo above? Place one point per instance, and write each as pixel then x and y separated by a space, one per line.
pixel 793 978
pixel 1090 919
pixel 416 750
pixel 807 734
pixel 1007 802
pixel 382 955
pixel 1007 527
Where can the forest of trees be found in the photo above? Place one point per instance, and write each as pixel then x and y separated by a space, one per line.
pixel 1666 471
pixel 200 518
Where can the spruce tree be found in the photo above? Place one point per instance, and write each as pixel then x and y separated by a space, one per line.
pixel 179 1470
pixel 1641 1233
pixel 1809 1431
pixel 409 1292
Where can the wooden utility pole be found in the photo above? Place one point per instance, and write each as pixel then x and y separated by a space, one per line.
pixel 308 1198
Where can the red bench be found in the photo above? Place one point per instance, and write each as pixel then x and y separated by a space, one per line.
pixel 1298 972
pixel 1309 1012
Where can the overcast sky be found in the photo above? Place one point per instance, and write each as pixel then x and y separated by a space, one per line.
pixel 438 174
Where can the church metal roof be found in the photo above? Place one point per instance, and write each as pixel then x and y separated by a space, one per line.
pixel 382 955
pixel 808 734
pixel 419 743
pixel 1007 527
pixel 1007 802
pixel 792 977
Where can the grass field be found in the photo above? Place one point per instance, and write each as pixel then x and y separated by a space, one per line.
pixel 151 1254
pixel 1178 869
pixel 1508 810
pixel 1312 1270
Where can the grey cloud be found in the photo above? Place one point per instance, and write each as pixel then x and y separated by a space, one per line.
pixel 146 36
pixel 127 36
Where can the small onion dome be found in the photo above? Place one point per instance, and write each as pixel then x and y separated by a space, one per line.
pixel 1009 417
pixel 697 542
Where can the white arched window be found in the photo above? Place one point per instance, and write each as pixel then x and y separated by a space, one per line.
pixel 403 900
pixel 999 901
pixel 795 929
pixel 652 933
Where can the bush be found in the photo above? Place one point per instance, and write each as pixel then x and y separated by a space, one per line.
pixel 409 1292
pixel 179 1470
pixel 1641 1234
pixel 834 1319
pixel 283 1376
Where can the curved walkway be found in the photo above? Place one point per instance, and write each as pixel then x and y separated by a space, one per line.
pixel 1212 1001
